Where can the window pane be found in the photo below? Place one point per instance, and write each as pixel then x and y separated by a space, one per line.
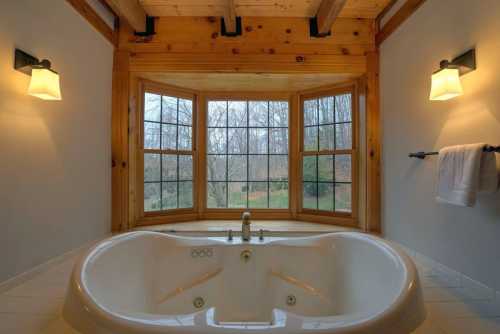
pixel 309 199
pixel 152 167
pixel 257 167
pixel 343 136
pixel 325 193
pixel 258 141
pixel 152 195
pixel 185 167
pixel 311 112
pixel 185 138
pixel 168 137
pixel 169 109
pixel 326 110
pixel 237 194
pixel 152 107
pixel 343 168
pixel 169 167
pixel 278 113
pixel 185 112
pixel 169 195
pixel 309 168
pixel 258 113
pixel 216 195
pixel 278 167
pixel 257 195
pixel 237 168
pixel 216 141
pixel 217 113
pixel 343 197
pixel 311 138
pixel 186 194
pixel 325 168
pixel 216 168
pixel 237 113
pixel 343 108
pixel 278 195
pixel 151 135
pixel 326 137
pixel 237 140
pixel 278 141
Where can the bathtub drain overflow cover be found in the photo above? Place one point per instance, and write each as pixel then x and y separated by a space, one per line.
pixel 291 300
pixel 198 302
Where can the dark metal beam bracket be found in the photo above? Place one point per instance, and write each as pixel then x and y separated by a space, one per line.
pixel 150 28
pixel 313 29
pixel 226 33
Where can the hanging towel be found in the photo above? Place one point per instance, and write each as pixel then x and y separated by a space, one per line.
pixel 464 171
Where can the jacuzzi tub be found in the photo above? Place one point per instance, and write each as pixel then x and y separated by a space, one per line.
pixel 149 282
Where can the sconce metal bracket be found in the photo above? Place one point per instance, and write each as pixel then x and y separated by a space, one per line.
pixel 313 28
pixel 465 63
pixel 24 62
pixel 224 32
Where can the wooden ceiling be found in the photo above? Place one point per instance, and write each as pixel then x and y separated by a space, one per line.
pixel 270 8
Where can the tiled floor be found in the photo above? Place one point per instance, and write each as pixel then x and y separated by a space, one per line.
pixel 35 306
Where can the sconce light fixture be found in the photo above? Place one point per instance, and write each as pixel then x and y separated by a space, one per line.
pixel 446 81
pixel 44 82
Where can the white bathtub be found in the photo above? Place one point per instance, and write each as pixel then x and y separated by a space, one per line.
pixel 148 282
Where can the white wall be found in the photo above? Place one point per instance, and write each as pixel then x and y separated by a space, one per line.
pixel 465 239
pixel 54 156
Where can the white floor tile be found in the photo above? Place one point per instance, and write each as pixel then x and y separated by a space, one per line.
pixel 31 305
pixel 471 325
pixel 23 323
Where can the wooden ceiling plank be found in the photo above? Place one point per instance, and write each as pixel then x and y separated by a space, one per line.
pixel 398 19
pixel 328 12
pixel 131 11
pixel 230 17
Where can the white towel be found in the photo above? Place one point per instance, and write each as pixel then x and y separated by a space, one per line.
pixel 464 171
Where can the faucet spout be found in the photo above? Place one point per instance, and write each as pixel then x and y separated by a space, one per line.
pixel 245 226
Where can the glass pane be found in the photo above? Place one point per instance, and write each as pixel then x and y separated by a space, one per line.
pixel 278 195
pixel 343 108
pixel 311 138
pixel 311 112
pixel 237 167
pixel 168 137
pixel 257 195
pixel 326 137
pixel 237 194
pixel 343 136
pixel 185 167
pixel 217 115
pixel 258 141
pixel 169 195
pixel 278 113
pixel 216 168
pixel 325 193
pixel 309 193
pixel 309 168
pixel 325 168
pixel 326 110
pixel 169 109
pixel 185 138
pixel 343 197
pixel 237 140
pixel 152 197
pixel 152 107
pixel 216 195
pixel 258 113
pixel 278 141
pixel 278 167
pixel 185 112
pixel 237 113
pixel 151 135
pixel 257 167
pixel 169 167
pixel 152 167
pixel 343 168
pixel 216 141
pixel 186 194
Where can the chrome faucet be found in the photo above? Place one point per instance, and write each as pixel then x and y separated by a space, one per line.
pixel 245 226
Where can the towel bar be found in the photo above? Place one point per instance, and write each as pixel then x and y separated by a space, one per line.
pixel 422 155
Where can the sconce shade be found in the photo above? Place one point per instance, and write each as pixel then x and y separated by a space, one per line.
pixel 45 84
pixel 446 84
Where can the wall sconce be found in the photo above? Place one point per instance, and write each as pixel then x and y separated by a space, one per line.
pixel 446 81
pixel 44 82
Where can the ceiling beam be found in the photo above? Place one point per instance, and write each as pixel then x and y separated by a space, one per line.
pixel 327 13
pixel 230 17
pixel 398 19
pixel 131 11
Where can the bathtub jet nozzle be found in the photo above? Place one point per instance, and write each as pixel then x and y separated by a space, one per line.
pixel 245 226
